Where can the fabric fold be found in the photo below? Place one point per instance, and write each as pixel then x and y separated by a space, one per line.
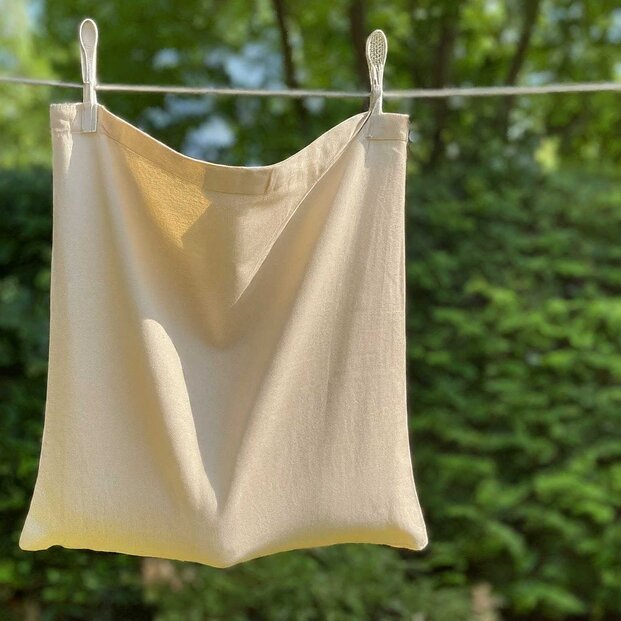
pixel 227 373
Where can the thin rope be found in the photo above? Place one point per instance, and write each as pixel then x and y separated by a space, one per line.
pixel 417 93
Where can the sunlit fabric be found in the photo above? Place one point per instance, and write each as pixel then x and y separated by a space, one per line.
pixel 227 350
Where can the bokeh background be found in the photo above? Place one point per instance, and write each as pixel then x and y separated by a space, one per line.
pixel 514 294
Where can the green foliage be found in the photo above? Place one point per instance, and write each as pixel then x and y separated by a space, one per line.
pixel 23 109
pixel 334 583
pixel 514 308
pixel 514 315
pixel 514 324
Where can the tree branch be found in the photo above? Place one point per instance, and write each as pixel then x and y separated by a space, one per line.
pixel 440 76
pixel 531 13
pixel 287 51
pixel 358 32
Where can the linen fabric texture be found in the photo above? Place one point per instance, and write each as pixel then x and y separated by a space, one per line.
pixel 227 354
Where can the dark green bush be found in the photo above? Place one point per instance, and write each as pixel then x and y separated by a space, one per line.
pixel 514 346
pixel 514 326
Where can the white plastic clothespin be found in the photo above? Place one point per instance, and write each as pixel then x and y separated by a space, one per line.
pixel 88 60
pixel 376 50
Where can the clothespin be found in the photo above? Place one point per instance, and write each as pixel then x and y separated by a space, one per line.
pixel 88 60
pixel 376 50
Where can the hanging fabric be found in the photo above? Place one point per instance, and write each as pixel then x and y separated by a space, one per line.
pixel 227 352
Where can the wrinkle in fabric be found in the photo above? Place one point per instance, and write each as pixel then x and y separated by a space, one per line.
pixel 226 372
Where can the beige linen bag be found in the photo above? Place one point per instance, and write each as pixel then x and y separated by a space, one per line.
pixel 227 344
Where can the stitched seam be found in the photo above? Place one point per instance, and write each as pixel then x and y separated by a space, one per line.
pixel 269 186
pixel 166 170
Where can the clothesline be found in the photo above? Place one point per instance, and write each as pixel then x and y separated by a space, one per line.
pixel 417 93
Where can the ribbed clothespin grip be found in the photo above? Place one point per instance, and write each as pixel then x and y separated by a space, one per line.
pixel 88 60
pixel 376 51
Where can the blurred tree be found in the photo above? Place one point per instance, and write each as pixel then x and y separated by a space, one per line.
pixel 515 374
pixel 514 285
pixel 23 109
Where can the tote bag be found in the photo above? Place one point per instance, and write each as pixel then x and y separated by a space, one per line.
pixel 227 351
